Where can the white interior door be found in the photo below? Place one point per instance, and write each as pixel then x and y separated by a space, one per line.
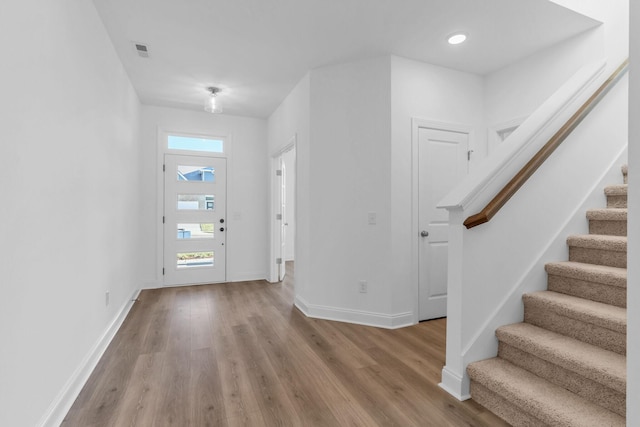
pixel 282 219
pixel 442 164
pixel 194 220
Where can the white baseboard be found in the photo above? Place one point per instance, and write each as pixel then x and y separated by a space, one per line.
pixel 379 320
pixel 63 402
pixel 455 385
pixel 248 277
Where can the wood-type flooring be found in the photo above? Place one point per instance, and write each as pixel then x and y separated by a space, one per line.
pixel 240 354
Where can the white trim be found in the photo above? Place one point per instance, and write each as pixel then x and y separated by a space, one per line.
pixel 274 191
pixel 455 385
pixel 493 132
pixel 62 403
pixel 247 276
pixel 359 317
pixel 416 124
pixel 301 305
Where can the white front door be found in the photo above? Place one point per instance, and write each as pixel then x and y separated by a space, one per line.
pixel 442 164
pixel 194 219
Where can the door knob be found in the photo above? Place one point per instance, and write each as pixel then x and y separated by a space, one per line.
pixel 424 233
pixel 221 228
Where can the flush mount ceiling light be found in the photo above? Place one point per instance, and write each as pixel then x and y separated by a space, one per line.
pixel 210 104
pixel 456 38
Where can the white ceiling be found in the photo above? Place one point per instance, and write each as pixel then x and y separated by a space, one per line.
pixel 257 50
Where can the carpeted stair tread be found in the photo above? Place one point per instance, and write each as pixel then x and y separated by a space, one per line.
pixel 596 313
pixel 612 276
pixel 598 241
pixel 595 323
pixel 586 388
pixel 538 398
pixel 599 365
pixel 598 249
pixel 609 214
pixel 616 190
pixel 610 221
pixel 616 195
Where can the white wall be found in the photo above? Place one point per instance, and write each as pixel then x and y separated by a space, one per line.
pixel 515 91
pixel 349 177
pixel 247 191
pixel 633 280
pixel 69 165
pixel 291 121
pixel 614 14
pixel 424 91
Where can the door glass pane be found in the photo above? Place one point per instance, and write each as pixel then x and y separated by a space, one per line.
pixel 194 259
pixel 195 231
pixel 196 202
pixel 190 143
pixel 196 173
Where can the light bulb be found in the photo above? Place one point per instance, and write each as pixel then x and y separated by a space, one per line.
pixel 457 38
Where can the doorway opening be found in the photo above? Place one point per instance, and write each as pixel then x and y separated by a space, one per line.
pixel 283 223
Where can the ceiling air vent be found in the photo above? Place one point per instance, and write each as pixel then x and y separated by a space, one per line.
pixel 142 49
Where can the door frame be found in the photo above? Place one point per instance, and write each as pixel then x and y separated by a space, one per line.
pixel 275 206
pixel 416 125
pixel 161 150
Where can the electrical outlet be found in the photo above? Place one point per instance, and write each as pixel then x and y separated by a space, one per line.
pixel 106 298
pixel 362 286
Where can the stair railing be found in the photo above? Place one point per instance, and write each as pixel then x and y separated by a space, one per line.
pixel 539 158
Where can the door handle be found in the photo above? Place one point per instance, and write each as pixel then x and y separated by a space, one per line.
pixel 424 233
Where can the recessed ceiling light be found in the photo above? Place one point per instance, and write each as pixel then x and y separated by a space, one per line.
pixel 456 38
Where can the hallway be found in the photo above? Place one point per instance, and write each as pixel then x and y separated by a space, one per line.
pixel 237 354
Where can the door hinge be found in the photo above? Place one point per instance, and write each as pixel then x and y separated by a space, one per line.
pixel 279 216
pixel 164 168
pixel 163 271
pixel 278 261
pixel 279 172
pixel 469 155
pixel 163 219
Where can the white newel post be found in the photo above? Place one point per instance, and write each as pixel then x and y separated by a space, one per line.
pixel 454 377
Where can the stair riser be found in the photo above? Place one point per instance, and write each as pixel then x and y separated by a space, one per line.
pixel 616 201
pixel 598 256
pixel 593 291
pixel 592 334
pixel 609 228
pixel 583 387
pixel 502 407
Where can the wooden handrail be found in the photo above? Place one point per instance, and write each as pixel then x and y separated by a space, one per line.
pixel 538 159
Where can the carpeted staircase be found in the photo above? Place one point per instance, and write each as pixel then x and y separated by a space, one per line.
pixel 566 364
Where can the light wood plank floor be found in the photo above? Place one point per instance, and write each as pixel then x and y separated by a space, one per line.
pixel 240 354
